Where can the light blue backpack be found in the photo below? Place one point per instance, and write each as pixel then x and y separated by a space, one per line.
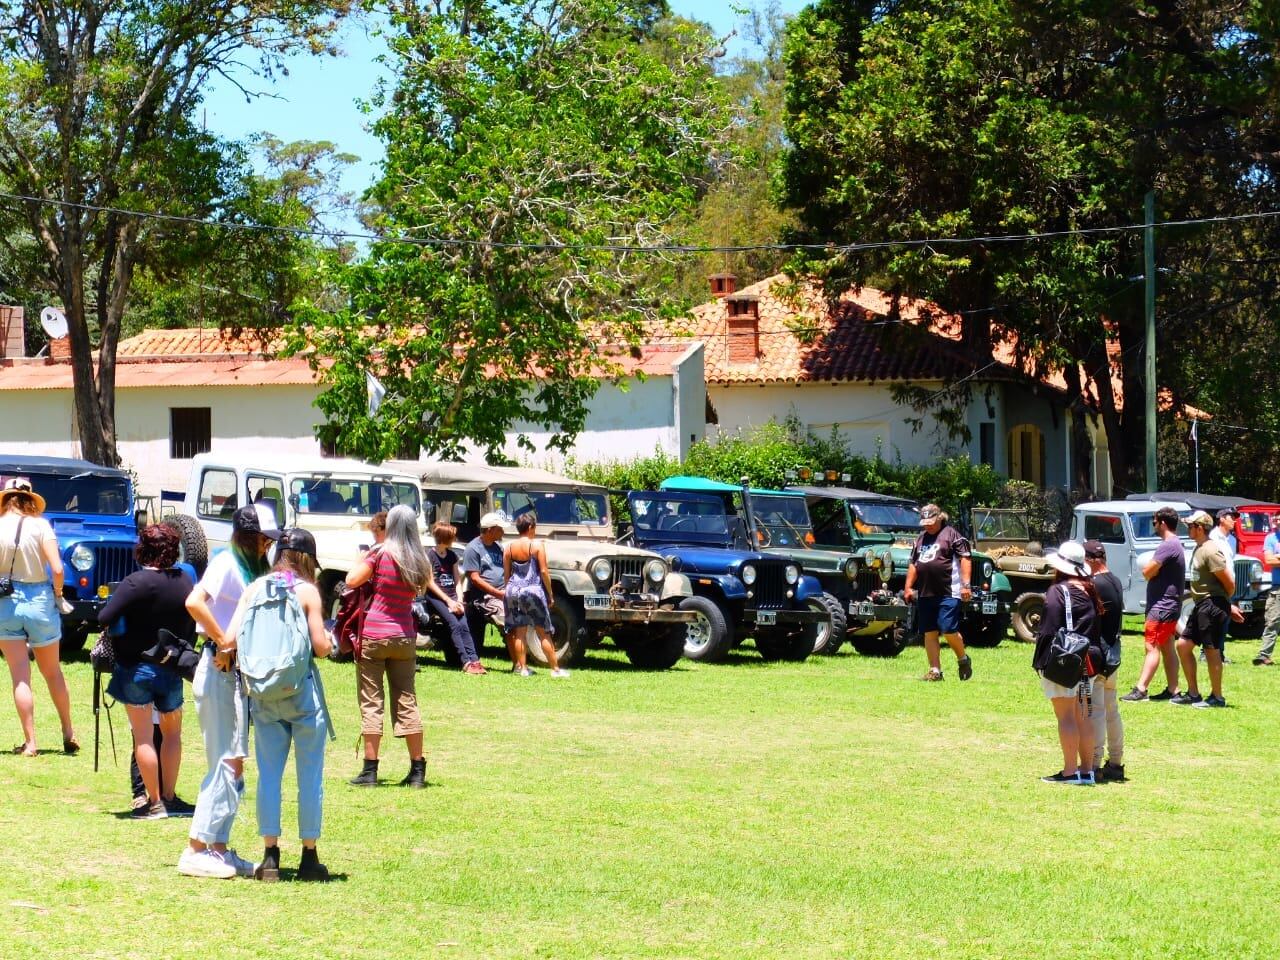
pixel 273 648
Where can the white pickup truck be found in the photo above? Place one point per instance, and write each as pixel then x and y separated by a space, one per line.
pixel 332 498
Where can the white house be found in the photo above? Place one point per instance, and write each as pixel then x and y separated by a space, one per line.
pixel 777 349
pixel 184 392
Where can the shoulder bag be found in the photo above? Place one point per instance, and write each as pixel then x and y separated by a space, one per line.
pixel 1068 651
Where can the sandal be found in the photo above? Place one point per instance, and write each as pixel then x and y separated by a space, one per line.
pixel 22 751
pixel 933 676
pixel 70 745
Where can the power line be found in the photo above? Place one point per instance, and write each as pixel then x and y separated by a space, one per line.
pixel 835 248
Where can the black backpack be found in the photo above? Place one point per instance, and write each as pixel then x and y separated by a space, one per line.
pixel 1068 651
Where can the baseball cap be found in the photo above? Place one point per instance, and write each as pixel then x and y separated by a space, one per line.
pixel 1200 519
pixel 928 513
pixel 1094 550
pixel 1228 512
pixel 295 538
pixel 255 518
pixel 492 519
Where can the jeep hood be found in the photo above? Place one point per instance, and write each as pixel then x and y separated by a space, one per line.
pixel 707 559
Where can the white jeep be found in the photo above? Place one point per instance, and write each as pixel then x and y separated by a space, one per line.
pixel 602 588
pixel 332 498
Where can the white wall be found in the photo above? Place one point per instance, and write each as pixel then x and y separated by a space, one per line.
pixel 690 404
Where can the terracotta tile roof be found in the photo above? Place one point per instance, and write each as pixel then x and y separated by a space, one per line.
pixel 802 339
pixel 191 342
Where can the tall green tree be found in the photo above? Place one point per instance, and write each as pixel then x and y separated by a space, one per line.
pixel 521 138
pixel 97 111
pixel 912 120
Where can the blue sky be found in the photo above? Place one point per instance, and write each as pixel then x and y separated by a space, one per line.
pixel 318 98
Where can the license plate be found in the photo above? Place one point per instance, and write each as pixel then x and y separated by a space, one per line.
pixel 864 610
pixel 766 618
pixel 596 601
pixel 990 607
pixel 1246 606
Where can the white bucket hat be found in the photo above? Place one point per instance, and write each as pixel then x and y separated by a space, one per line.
pixel 1069 560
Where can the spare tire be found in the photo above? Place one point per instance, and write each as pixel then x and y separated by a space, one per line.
pixel 193 548
pixel 1028 608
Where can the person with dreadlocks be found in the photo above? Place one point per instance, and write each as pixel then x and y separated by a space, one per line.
pixel 219 698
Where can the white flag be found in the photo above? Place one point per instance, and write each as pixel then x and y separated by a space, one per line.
pixel 1195 431
pixel 376 392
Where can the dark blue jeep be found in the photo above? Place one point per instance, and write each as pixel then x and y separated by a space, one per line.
pixel 738 592
pixel 91 510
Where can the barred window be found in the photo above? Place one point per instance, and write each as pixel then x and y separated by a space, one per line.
pixel 190 432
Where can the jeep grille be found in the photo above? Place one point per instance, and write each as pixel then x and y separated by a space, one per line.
pixel 113 564
pixel 770 588
pixel 628 567
pixel 1244 567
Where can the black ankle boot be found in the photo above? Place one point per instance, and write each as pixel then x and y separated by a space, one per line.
pixel 368 776
pixel 311 868
pixel 269 869
pixel 417 774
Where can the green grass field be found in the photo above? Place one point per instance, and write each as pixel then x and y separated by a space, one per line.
pixel 836 808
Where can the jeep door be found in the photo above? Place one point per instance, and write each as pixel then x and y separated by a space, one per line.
pixel 218 495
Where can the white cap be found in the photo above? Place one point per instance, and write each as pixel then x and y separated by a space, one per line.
pixel 492 519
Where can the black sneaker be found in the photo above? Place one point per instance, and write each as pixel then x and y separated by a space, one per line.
pixel 1165 694
pixel 1135 696
pixel 965 666
pixel 1261 660
pixel 1184 699
pixel 1113 772
pixel 150 811
pixel 1211 701
pixel 178 807
pixel 1072 779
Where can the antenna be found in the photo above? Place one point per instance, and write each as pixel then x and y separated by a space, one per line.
pixel 54 322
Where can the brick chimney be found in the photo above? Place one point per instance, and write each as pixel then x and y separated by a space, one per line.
pixel 60 349
pixel 723 284
pixel 742 319
pixel 12 333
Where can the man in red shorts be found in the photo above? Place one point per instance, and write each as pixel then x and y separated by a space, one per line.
pixel 1166 575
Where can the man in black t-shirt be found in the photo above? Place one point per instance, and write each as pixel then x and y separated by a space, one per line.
pixel 1104 705
pixel 938 579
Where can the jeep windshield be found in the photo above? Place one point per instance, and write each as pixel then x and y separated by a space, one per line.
pixel 686 518
pixel 884 517
pixel 1144 526
pixel 364 497
pixel 785 520
pixel 1000 525
pixel 86 493
pixel 554 507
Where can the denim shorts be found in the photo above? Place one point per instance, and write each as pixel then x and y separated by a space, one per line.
pixel 30 614
pixel 144 684
pixel 938 613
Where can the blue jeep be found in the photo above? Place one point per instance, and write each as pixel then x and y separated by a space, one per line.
pixel 738 592
pixel 91 510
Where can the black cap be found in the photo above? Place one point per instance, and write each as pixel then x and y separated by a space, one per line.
pixel 1094 550
pixel 295 538
pixel 1227 512
pixel 255 518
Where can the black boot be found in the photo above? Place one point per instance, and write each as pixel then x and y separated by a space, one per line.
pixel 417 774
pixel 269 869
pixel 368 776
pixel 311 868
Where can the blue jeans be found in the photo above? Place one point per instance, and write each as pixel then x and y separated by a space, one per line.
pixel 459 632
pixel 223 722
pixel 145 684
pixel 300 721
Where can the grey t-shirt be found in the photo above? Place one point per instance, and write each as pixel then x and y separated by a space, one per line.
pixel 1164 590
pixel 484 560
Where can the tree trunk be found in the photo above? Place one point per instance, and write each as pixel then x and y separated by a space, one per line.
pixel 97 436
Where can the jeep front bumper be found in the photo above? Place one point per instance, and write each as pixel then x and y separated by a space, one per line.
pixel 983 605
pixel 878 612
pixel 601 607
pixel 771 618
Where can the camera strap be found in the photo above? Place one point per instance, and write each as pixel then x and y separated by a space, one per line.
pixel 17 538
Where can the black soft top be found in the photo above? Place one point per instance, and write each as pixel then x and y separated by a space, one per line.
pixel 22 463
pixel 850 493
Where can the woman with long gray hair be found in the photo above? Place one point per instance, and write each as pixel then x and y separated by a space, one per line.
pixel 400 571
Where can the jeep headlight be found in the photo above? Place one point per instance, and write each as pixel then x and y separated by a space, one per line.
pixel 1255 574
pixel 748 574
pixel 988 571
pixel 851 568
pixel 601 569
pixel 792 573
pixel 655 571
pixel 81 557
pixel 886 567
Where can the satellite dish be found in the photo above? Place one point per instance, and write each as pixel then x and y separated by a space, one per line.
pixel 54 322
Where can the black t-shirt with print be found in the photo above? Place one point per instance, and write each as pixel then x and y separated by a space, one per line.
pixel 936 557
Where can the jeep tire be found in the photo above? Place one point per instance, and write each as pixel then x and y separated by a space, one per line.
pixel 831 634
pixel 569 635
pixel 887 643
pixel 658 647
pixel 1028 608
pixel 193 548
pixel 709 637
pixel 74 636
pixel 791 645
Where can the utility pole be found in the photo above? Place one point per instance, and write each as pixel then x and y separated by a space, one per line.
pixel 1149 271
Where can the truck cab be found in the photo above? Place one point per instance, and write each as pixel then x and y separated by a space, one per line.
pixel 91 509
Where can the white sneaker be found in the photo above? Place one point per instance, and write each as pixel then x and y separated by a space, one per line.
pixel 243 867
pixel 560 674
pixel 522 672
pixel 204 863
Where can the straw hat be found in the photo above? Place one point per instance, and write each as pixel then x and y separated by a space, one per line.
pixel 16 485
